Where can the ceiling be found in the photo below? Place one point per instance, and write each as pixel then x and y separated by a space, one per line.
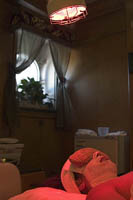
pixel 42 4
pixel 95 8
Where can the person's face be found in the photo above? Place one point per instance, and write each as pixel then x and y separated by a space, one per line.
pixel 99 166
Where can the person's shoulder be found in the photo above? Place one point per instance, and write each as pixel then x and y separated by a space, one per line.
pixel 101 192
pixel 128 174
pixel 131 172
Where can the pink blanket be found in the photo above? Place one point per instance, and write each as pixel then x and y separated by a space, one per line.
pixel 47 193
pixel 119 188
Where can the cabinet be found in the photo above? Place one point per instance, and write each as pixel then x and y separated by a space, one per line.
pixel 117 147
pixel 42 142
pixel 30 180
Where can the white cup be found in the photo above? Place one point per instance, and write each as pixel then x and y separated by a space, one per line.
pixel 102 131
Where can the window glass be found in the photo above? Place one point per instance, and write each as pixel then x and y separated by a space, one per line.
pixel 45 75
pixel 32 72
pixel 48 77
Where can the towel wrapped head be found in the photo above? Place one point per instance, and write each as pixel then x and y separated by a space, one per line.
pixel 73 166
pixel 82 156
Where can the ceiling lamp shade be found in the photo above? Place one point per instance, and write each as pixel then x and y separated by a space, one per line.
pixel 66 11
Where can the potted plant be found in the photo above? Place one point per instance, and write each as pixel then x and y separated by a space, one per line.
pixel 30 91
pixel 50 103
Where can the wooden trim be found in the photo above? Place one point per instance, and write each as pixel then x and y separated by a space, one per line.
pixel 23 17
pixel 13 28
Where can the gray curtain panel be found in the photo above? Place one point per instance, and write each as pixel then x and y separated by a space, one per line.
pixel 61 57
pixel 29 46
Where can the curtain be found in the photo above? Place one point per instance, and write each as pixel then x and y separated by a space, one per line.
pixel 61 56
pixel 28 48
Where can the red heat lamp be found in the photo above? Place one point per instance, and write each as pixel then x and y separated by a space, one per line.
pixel 65 12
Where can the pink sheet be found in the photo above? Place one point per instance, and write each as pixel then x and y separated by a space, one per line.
pixel 120 188
pixel 47 193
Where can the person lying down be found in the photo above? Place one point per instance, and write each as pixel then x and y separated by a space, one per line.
pixel 88 174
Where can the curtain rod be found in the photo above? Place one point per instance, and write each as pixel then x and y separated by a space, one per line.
pixel 32 7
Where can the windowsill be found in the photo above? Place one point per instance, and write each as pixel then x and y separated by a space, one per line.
pixel 40 108
pixel 34 112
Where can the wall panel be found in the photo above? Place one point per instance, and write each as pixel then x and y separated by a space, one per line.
pixel 99 79
pixel 5 55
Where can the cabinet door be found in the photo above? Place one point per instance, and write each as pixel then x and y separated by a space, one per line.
pixel 29 133
pixel 52 154
pixel 31 180
pixel 43 143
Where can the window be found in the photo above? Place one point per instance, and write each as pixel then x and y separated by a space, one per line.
pixel 35 73
pixel 45 75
